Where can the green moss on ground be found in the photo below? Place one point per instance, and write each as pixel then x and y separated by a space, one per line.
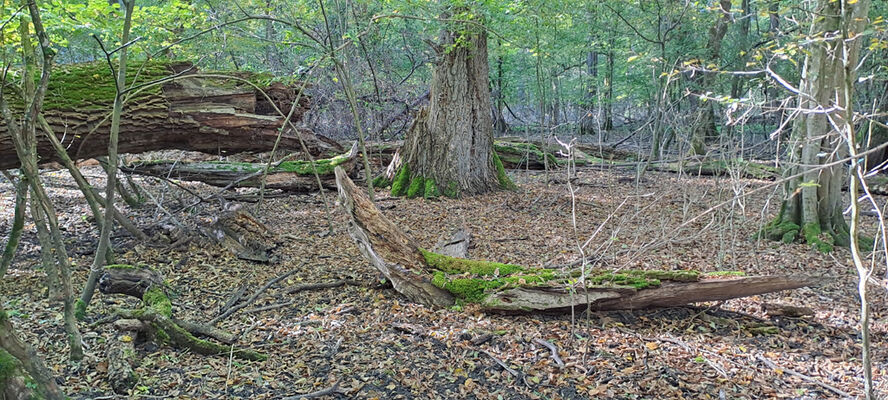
pixel 121 266
pixel 724 273
pixel 401 181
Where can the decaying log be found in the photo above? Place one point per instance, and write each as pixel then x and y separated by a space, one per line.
pixel 291 176
pixel 388 249
pixel 156 314
pixel 241 233
pixel 423 276
pixel 192 112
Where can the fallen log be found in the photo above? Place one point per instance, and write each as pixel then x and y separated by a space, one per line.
pixel 210 114
pixel 156 313
pixel 290 176
pixel 438 280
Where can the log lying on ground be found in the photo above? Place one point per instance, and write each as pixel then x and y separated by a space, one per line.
pixel 734 168
pixel 291 176
pixel 438 280
pixel 211 115
pixel 157 311
pixel 242 234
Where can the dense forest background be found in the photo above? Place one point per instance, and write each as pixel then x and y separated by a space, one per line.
pixel 298 199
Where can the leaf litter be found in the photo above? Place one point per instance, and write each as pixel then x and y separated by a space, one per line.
pixel 361 339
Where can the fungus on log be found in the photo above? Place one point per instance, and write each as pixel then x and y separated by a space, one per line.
pixel 291 176
pixel 438 280
pixel 211 114
pixel 156 312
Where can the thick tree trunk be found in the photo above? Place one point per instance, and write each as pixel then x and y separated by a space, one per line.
pixel 437 280
pixel 449 147
pixel 813 211
pixel 212 115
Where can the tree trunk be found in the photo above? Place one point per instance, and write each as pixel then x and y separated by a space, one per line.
pixel 587 122
pixel 211 115
pixel 500 126
pixel 704 116
pixel 608 123
pixel 813 211
pixel 449 147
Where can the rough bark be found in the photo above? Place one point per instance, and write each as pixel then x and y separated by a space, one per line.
pixel 436 280
pixel 290 176
pixel 813 209
pixel 211 115
pixel 449 148
pixel 24 357
pixel 242 234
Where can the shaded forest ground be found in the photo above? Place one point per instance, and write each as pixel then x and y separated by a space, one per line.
pixel 375 344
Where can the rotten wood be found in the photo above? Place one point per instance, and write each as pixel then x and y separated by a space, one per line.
pixel 392 252
pixel 128 280
pixel 398 257
pixel 289 176
pixel 242 234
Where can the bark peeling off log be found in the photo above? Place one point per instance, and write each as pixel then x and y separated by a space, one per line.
pixel 211 115
pixel 128 280
pixel 391 251
pixel 242 234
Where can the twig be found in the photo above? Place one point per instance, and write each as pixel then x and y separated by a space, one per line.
pixel 520 376
pixel 805 378
pixel 553 349
pixel 322 285
pixel 270 307
pixel 320 393
pixel 252 298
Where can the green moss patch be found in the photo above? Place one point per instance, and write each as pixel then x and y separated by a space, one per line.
pixel 8 366
pixel 641 279
pixel 416 188
pixel 472 281
pixel 158 301
pixel 501 176
pixel 324 166
pixel 90 85
pixel 381 182
pixel 401 181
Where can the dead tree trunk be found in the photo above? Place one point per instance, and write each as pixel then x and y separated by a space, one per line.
pixel 291 176
pixel 207 113
pixel 449 148
pixel 438 280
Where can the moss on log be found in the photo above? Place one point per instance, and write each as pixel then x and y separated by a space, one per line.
pixel 192 112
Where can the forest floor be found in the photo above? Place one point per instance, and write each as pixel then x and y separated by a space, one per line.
pixel 374 344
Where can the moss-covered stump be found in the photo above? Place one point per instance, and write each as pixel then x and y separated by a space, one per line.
pixel 157 314
pixel 404 184
pixel 290 176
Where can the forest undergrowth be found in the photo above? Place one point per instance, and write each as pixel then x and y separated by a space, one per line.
pixel 364 340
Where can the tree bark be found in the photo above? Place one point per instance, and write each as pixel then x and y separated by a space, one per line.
pixel 704 116
pixel 191 112
pixel 449 148
pixel 813 209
